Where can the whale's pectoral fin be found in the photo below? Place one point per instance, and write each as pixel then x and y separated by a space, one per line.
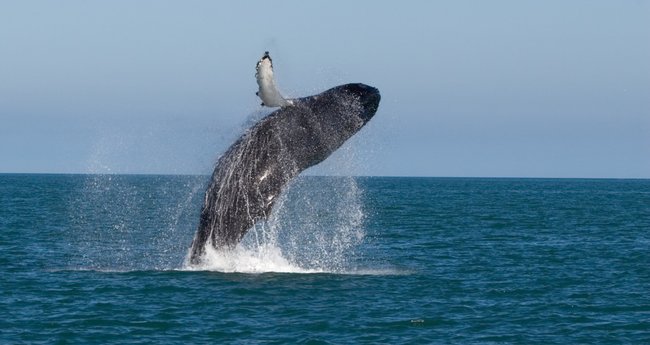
pixel 268 91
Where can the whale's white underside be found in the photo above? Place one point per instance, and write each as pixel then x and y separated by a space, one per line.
pixel 268 91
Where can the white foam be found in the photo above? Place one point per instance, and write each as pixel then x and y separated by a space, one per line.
pixel 269 259
pixel 262 259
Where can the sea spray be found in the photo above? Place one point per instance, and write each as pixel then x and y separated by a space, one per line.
pixel 315 227
pixel 128 222
pixel 113 218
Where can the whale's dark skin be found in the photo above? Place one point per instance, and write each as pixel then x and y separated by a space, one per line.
pixel 251 174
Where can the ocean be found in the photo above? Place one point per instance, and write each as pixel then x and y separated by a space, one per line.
pixel 101 259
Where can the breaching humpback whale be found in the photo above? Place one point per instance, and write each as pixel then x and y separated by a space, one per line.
pixel 251 174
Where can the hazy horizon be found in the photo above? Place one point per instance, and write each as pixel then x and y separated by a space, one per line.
pixel 469 89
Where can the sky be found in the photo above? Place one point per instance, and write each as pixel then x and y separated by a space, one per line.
pixel 469 88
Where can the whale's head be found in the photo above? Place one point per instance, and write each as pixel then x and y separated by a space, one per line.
pixel 357 100
pixel 368 97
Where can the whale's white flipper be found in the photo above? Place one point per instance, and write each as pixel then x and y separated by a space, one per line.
pixel 268 92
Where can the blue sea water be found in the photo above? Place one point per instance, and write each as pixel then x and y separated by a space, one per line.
pixel 100 259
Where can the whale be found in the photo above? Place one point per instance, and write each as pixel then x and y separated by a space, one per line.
pixel 252 173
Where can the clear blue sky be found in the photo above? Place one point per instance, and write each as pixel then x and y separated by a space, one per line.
pixel 469 88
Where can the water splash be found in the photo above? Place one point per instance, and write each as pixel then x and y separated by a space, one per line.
pixel 315 227
pixel 265 258
pixel 127 222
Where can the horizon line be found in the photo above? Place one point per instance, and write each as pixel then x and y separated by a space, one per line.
pixel 309 175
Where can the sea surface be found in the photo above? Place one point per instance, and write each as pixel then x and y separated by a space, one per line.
pixel 100 259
